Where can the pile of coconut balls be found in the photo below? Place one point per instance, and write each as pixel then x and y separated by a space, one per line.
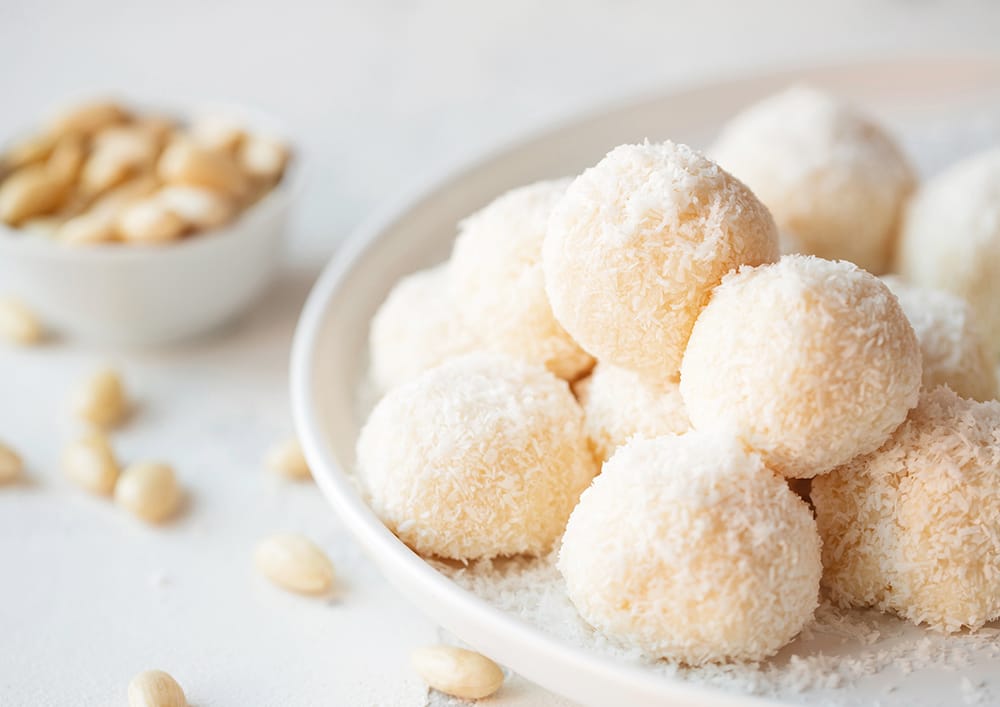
pixel 625 367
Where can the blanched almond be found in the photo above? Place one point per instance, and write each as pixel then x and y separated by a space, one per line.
pixel 295 563
pixel 155 688
pixel 31 191
pixel 11 465
pixel 90 463
pixel 149 490
pixel 186 162
pixel 199 207
pixel 149 222
pixel 458 672
pixel 101 399
pixel 286 458
pixel 18 324
pixel 88 117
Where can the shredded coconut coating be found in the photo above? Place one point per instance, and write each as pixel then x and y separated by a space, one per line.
pixel 811 361
pixel 497 282
pixel 831 176
pixel 483 456
pixel 834 180
pixel 415 329
pixel 689 548
pixel 618 405
pixel 951 238
pixel 636 245
pixel 914 527
pixel 954 353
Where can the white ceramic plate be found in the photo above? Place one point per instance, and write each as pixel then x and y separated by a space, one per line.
pixel 943 108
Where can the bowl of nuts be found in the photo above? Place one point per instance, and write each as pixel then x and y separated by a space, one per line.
pixel 130 227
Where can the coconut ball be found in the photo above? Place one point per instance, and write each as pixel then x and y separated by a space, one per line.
pixel 811 361
pixel 637 243
pixel 951 238
pixel 497 282
pixel 618 404
pixel 482 456
pixel 912 528
pixel 831 176
pixel 689 548
pixel 954 353
pixel 416 328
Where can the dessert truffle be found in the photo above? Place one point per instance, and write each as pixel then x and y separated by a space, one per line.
pixel 636 245
pixel 954 353
pixel 497 282
pixel 912 527
pixel 832 177
pixel 689 548
pixel 810 361
pixel 416 328
pixel 482 456
pixel 618 405
pixel 951 238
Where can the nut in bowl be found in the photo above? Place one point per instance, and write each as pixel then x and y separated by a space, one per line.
pixel 133 227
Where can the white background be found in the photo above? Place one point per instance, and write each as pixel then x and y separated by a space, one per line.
pixel 378 94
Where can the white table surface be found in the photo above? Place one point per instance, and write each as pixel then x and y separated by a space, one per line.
pixel 378 93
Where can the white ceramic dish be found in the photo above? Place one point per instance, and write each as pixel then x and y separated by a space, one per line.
pixel 329 358
pixel 141 296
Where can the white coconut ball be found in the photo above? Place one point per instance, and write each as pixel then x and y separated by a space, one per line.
pixel 636 245
pixel 416 328
pixel 618 405
pixel 497 282
pixel 951 238
pixel 689 548
pixel 832 177
pixel 482 456
pixel 810 361
pixel 912 528
pixel 954 353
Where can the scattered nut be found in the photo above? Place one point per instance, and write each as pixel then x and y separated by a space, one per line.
pixel 101 399
pixel 90 463
pixel 119 153
pixel 295 563
pixel 262 157
pixel 458 672
pixel 87 118
pixel 198 207
pixel 11 465
pixel 186 162
pixel 31 191
pixel 149 490
pixel 66 161
pixel 18 324
pixel 155 688
pixel 150 222
pixel 287 459
pixel 91 177
pixel 30 150
pixel 94 226
pixel 217 132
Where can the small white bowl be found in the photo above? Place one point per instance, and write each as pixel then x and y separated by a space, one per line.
pixel 134 296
